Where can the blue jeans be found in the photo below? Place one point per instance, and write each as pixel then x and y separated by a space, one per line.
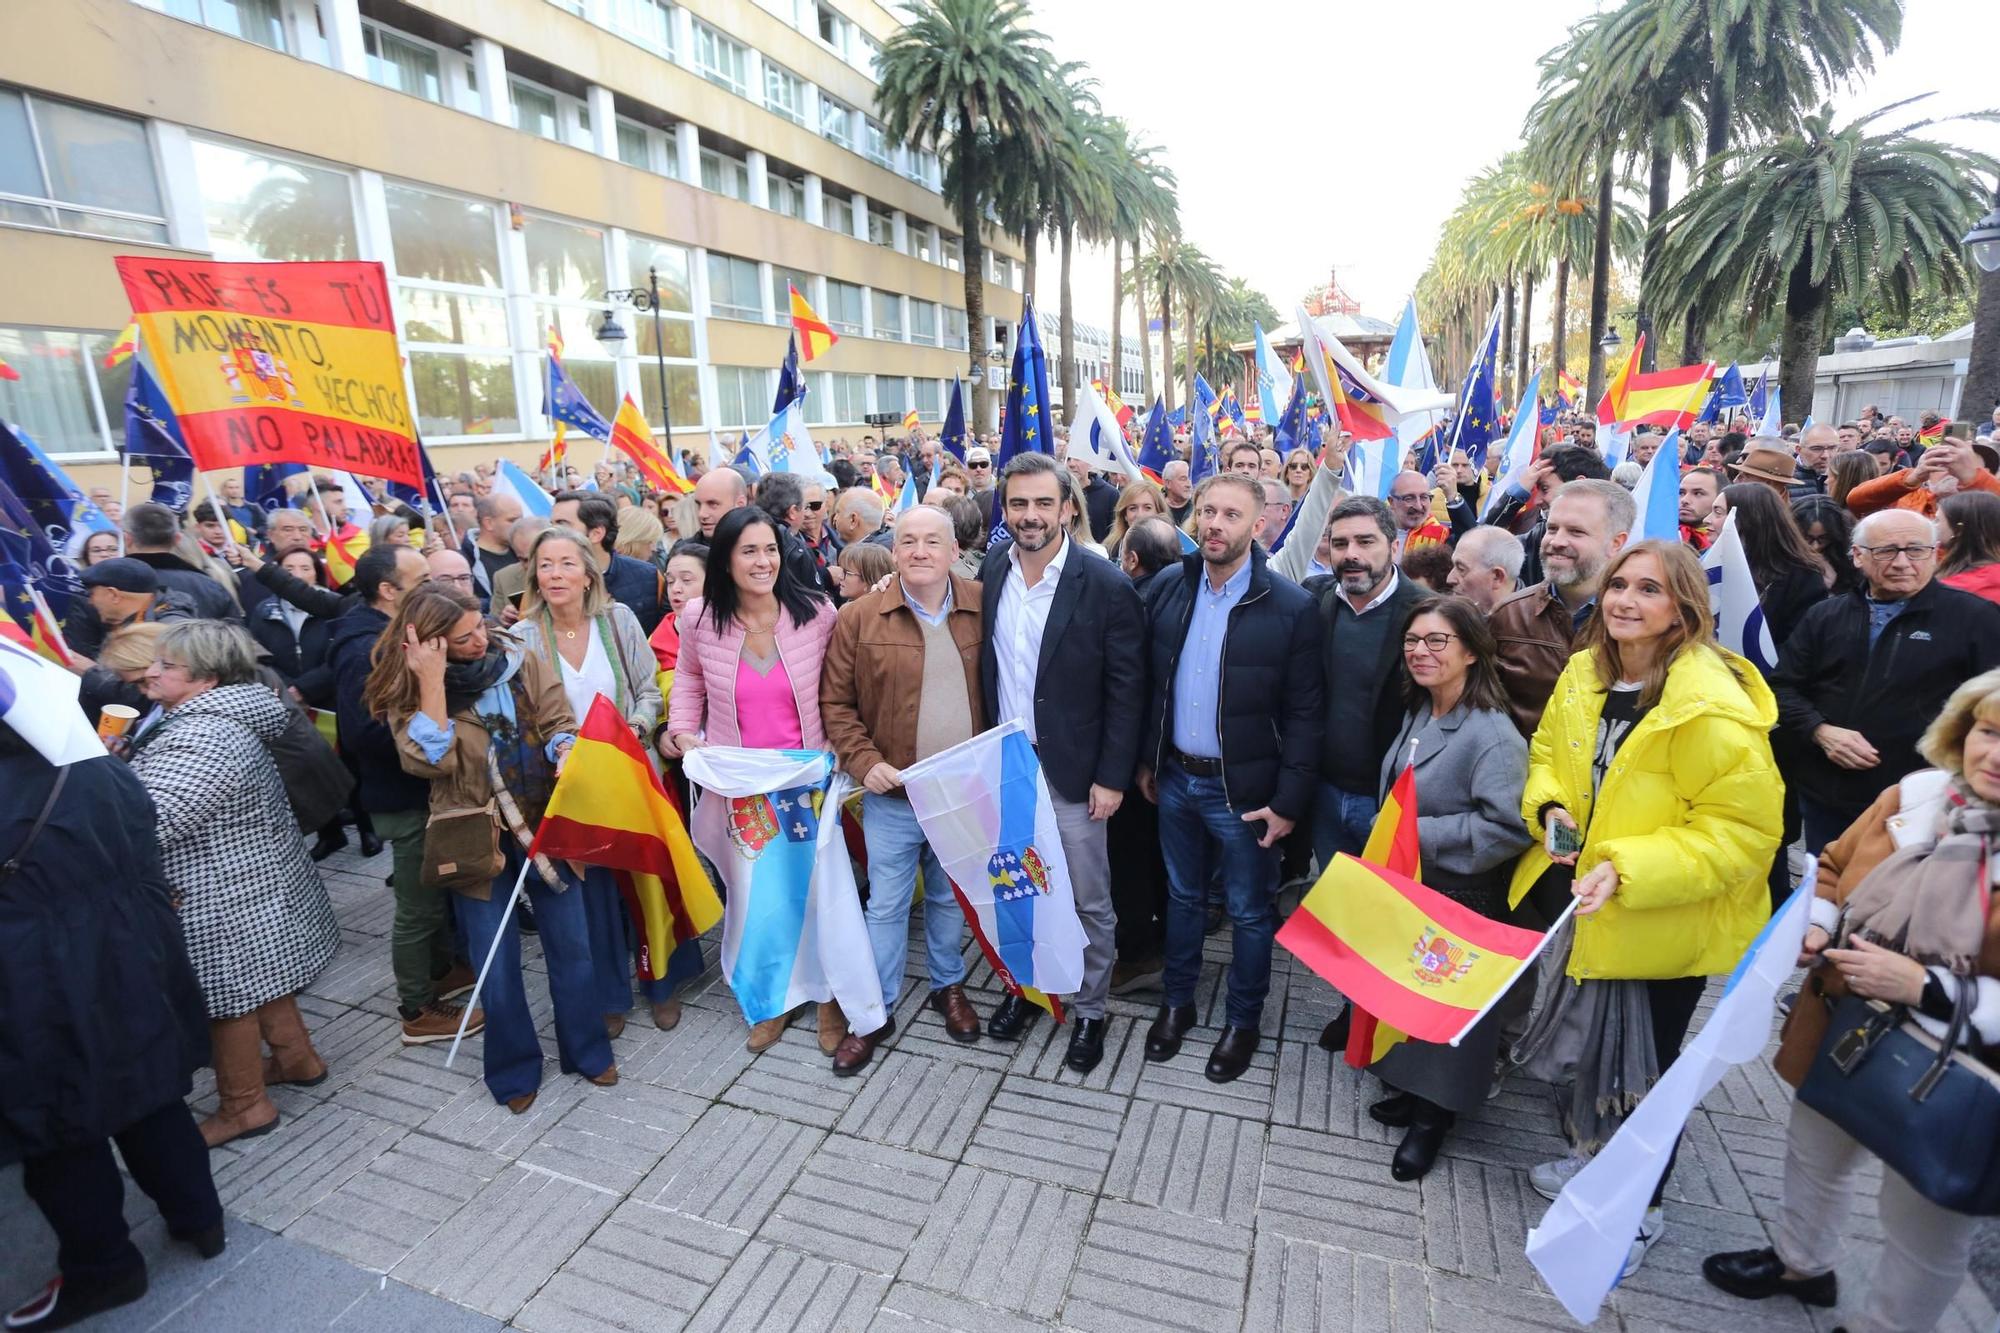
pixel 614 947
pixel 513 1052
pixel 1341 822
pixel 1198 830
pixel 896 848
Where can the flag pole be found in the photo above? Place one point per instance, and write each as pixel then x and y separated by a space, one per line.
pixel 124 493
pixel 444 510
pixel 221 514
pixel 472 1000
pixel 1519 972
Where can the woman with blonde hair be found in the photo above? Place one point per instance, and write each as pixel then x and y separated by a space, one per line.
pixel 640 535
pixel 1298 474
pixel 1140 500
pixel 1651 780
pixel 595 644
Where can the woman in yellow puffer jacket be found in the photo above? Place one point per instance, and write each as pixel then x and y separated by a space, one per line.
pixel 1655 749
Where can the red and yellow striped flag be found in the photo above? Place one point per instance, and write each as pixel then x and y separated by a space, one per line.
pixel 125 348
pixel 630 433
pixel 814 335
pixel 910 419
pixel 341 555
pixel 1392 843
pixel 610 809
pixel 8 372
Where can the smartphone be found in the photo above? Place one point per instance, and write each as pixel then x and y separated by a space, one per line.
pixel 1563 841
pixel 1960 431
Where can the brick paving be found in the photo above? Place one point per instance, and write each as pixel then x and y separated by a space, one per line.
pixel 975 1187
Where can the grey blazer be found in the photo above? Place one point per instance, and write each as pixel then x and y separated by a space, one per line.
pixel 635 659
pixel 1472 765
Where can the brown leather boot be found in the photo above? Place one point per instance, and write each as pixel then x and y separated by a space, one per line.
pixel 245 1110
pixel 832 1026
pixel 961 1020
pixel 765 1035
pixel 293 1059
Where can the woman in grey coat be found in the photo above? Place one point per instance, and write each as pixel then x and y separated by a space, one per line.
pixel 258 922
pixel 597 646
pixel 1471 765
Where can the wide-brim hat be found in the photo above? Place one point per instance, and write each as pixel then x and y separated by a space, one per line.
pixel 1989 454
pixel 1768 465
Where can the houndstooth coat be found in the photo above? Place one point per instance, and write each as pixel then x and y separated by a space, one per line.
pixel 258 921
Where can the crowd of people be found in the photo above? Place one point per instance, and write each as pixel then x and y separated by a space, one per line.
pixel 1222 681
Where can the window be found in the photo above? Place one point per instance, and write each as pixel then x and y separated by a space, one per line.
pixel 953 254
pixel 954 328
pixel 394 61
pixel 787 196
pixel 267 208
pixel 452 311
pixel 565 260
pixel 921 245
pixel 843 307
pixel 881 229
pixel 647 259
pixel 848 398
pixel 635 146
pixel 781 298
pixel 742 396
pixel 733 291
pixel 837 212
pixel 784 93
pixel 534 109
pixel 923 322
pixel 77 169
pixel 65 398
pixel 650 23
pixel 832 27
pixel 867 52
pixel 720 60
pixel 874 140
pixel 891 394
pixel 929 396
pixel 921 165
pixel 888 316
pixel 836 121
pixel 259 21
pixel 724 175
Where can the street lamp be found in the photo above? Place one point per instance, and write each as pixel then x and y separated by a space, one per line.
pixel 1984 240
pixel 610 331
pixel 1610 342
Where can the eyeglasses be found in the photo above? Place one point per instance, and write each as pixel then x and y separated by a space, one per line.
pixel 465 579
pixel 1913 553
pixel 1410 499
pixel 164 665
pixel 1434 642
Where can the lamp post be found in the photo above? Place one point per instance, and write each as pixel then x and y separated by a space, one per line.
pixel 610 331
pixel 1982 372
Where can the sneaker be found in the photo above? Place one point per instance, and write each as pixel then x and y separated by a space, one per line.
pixel 439 1022
pixel 1548 1178
pixel 1651 1227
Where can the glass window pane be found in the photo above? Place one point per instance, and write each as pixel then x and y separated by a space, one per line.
pixel 888 315
pixel 407 66
pixel 260 21
pixel 20 173
pixel 923 322
pixel 54 400
pixel 781 299
pixel 648 21
pixel 850 397
pixel 450 317
pixel 889 394
pixel 669 261
pixel 598 380
pixel 954 328
pixel 442 238
pixel 263 208
pixel 534 110
pixel 678 334
pixel 843 306
pixel 834 121
pixel 684 383
pixel 634 150
pixel 565 260
pixel 928 398
pixel 97 160
pixel 459 394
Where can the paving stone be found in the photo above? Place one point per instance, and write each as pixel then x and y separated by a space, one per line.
pixel 498 1250
pixel 474 1119
pixel 411 1086
pixel 920 1030
pixel 613 1137
pixel 1463 1303
pixel 1188 1162
pixel 1049 1132
pixel 383 1213
pixel 1300 1287
pixel 359 969
pixel 1001 1241
pixel 1476 1218
pixel 352 1042
pixel 908 1309
pixel 1316 1089
pixel 276 1178
pixel 1181 1082
pixel 1045 1046
pixel 916 1102
pixel 1323 1188
pixel 857 1203
pixel 795 1079
pixel 730 1168
pixel 1144 1269
pixel 774 1290
pixel 701 1056
pixel 646 1270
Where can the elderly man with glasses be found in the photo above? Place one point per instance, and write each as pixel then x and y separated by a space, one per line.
pixel 1866 671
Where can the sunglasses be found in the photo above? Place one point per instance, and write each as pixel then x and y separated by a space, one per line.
pixel 981 466
pixel 815 505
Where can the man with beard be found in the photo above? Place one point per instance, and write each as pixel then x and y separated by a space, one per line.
pixel 1064 655
pixel 1231 733
pixel 1589 522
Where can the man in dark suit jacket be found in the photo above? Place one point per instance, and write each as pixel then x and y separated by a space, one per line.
pixel 1063 654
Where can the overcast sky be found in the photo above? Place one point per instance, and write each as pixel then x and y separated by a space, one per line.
pixel 1317 137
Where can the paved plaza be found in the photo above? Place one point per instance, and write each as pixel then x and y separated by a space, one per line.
pixel 948 1187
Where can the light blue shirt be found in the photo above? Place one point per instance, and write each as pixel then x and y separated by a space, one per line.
pixel 434 740
pixel 927 617
pixel 1198 675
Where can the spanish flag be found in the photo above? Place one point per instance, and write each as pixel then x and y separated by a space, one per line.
pixel 1611 407
pixel 125 348
pixel 814 336
pixel 1361 415
pixel 342 553
pixel 1392 843
pixel 1668 398
pixel 630 433
pixel 610 809
pixel 1934 432
pixel 8 372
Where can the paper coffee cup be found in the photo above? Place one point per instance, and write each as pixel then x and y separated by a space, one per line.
pixel 116 719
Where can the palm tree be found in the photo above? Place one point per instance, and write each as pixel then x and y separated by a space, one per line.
pixel 1820 216
pixel 1142 198
pixel 956 71
pixel 1079 184
pixel 1173 264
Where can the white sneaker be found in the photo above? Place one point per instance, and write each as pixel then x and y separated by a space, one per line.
pixel 1548 1178
pixel 1651 1227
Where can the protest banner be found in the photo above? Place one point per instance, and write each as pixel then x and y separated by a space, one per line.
pixel 266 363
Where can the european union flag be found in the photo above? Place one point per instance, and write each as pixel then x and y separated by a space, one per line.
pixel 264 483
pixel 1729 389
pixel 563 401
pixel 25 543
pixel 54 501
pixel 1711 406
pixel 952 434
pixel 153 433
pixel 1026 430
pixel 1233 409
pixel 1291 424
pixel 1156 446
pixel 1758 400
pixel 1478 413
pixel 1178 417
pixel 791 387
pixel 1202 462
pixel 426 500
pixel 1428 450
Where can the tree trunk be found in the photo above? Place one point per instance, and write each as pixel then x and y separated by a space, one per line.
pixel 1600 288
pixel 1982 376
pixel 1693 337
pixel 1799 340
pixel 1139 306
pixel 1188 352
pixel 972 251
pixel 1717 113
pixel 1500 378
pixel 1167 345
pixel 1527 332
pixel 1559 339
pixel 1659 189
pixel 1115 382
pixel 1066 325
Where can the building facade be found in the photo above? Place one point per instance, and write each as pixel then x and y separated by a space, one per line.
pixel 509 162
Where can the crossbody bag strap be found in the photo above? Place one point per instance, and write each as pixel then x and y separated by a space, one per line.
pixel 12 865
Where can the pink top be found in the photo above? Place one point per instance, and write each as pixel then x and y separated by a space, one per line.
pixel 767 714
pixel 703 702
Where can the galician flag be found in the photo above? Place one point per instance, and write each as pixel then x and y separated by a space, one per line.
pixel 986 811
pixel 1658 494
pixel 792 930
pixel 609 808
pixel 1732 595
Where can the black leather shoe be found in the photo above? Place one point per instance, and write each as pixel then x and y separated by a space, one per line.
pixel 1010 1019
pixel 324 846
pixel 1755 1274
pixel 1163 1039
pixel 1086 1045
pixel 1231 1055
pixel 371 846
pixel 1418 1151
pixel 208 1243
pixel 1395 1112
pixel 1333 1037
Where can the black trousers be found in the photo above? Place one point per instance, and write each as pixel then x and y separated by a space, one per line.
pixel 79 1191
pixel 1138 878
pixel 1673 1003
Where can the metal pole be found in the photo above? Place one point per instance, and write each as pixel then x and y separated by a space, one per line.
pixel 660 361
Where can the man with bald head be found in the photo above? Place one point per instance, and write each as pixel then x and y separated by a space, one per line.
pixel 915 640
pixel 1816 448
pixel 1849 719
pixel 1486 566
pixel 857 517
pixel 716 494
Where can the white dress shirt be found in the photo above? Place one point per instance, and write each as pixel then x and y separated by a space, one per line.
pixel 1017 634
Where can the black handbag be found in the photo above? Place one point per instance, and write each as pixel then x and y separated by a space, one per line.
pixel 1928 1110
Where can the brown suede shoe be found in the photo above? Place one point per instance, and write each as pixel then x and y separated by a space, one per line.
pixel 614 1025
pixel 520 1105
pixel 456 982
pixel 765 1035
pixel 607 1079
pixel 961 1020
pixel 437 1022
pixel 832 1026
pixel 667 1015
pixel 856 1050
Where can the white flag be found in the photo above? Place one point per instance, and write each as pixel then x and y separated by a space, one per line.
pixel 1732 596
pixel 1580 1247
pixel 38 700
